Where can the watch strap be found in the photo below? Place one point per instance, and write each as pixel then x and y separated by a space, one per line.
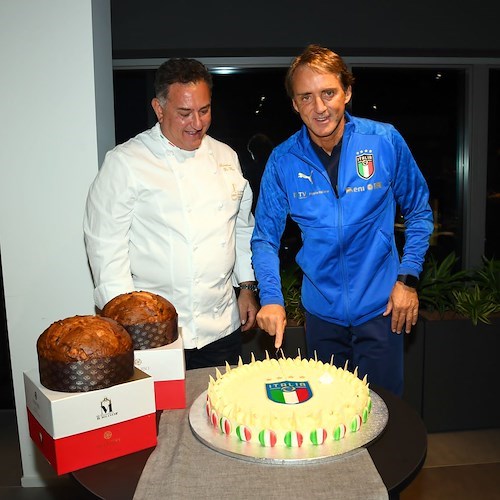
pixel 408 280
pixel 249 286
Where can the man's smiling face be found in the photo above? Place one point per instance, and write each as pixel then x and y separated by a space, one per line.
pixel 320 100
pixel 185 115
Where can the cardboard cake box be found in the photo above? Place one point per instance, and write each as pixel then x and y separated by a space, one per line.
pixel 167 366
pixel 74 430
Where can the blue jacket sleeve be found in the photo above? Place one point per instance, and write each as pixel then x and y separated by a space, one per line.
pixel 270 219
pixel 412 195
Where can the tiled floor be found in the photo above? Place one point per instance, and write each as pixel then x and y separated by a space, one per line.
pixel 459 466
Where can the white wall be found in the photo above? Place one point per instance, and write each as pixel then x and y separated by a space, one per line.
pixel 56 65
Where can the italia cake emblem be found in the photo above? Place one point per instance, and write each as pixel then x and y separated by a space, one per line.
pixel 288 392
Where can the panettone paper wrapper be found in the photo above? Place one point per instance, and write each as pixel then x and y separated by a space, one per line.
pixel 84 376
pixel 151 335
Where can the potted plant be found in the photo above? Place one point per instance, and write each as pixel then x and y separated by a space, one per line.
pixel 447 292
pixel 291 282
pixel 438 281
pixel 481 300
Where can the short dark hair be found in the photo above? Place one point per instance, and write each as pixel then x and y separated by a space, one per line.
pixel 322 60
pixel 180 70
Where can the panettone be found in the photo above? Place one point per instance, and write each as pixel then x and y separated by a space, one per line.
pixel 84 353
pixel 150 319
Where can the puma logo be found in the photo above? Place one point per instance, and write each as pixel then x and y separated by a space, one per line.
pixel 304 176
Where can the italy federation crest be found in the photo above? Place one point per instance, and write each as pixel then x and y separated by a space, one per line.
pixel 288 392
pixel 364 163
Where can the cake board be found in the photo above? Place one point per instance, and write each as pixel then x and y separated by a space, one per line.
pixel 205 432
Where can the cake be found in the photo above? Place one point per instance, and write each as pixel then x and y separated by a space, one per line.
pixel 84 353
pixel 287 402
pixel 150 319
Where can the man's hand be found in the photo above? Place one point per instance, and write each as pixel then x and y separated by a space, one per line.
pixel 272 319
pixel 248 306
pixel 403 303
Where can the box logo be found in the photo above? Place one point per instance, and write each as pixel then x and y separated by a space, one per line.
pixel 106 409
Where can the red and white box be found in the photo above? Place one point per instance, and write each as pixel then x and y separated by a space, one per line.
pixel 167 366
pixel 74 430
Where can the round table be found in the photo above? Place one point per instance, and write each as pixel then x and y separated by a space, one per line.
pixel 398 453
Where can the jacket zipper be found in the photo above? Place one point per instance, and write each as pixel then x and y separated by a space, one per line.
pixel 341 233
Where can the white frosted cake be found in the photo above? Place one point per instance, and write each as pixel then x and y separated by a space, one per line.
pixel 287 402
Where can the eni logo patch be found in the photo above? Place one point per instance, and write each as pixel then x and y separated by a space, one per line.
pixel 365 166
pixel 226 166
pixel 362 189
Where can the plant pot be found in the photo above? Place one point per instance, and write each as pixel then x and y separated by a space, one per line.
pixel 460 389
pixel 414 366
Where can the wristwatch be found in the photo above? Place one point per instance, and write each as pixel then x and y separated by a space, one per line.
pixel 408 280
pixel 249 286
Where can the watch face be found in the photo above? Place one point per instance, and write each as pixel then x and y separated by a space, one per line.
pixel 408 280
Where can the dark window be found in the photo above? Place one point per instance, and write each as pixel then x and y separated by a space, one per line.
pixel 492 249
pixel 426 106
pixel 133 91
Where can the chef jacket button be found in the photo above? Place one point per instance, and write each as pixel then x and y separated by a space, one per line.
pixel 216 309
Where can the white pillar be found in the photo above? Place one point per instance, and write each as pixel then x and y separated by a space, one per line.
pixel 56 110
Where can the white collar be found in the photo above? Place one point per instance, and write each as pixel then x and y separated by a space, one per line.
pixel 181 155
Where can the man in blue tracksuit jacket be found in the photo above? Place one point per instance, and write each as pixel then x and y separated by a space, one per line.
pixel 340 179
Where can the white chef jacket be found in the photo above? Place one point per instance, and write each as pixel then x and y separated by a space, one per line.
pixel 176 223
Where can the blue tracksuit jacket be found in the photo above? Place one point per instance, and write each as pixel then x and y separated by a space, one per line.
pixel 348 255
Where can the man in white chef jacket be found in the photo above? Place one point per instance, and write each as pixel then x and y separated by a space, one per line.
pixel 170 212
